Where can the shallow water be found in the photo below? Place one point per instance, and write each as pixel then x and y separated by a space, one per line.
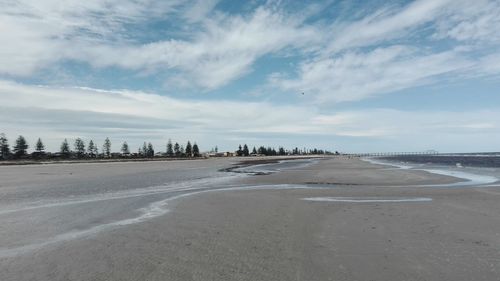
pixel 281 165
pixel 369 199
pixel 49 217
pixel 472 176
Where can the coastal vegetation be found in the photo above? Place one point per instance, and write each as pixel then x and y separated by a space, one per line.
pixel 81 150
pixel 281 151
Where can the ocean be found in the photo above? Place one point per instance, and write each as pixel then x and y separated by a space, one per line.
pixel 476 169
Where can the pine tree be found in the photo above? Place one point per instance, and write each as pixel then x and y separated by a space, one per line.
pixel 20 147
pixel 150 150
pixel 142 150
pixel 92 149
pixel 177 150
pixel 182 151
pixel 245 150
pixel 79 147
pixel 262 150
pixel 125 150
pixel 170 148
pixel 40 148
pixel 196 150
pixel 65 148
pixel 254 151
pixel 106 149
pixel 189 149
pixel 4 147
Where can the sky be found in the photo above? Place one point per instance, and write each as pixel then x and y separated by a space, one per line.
pixel 352 76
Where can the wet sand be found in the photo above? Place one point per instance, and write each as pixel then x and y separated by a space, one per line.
pixel 271 233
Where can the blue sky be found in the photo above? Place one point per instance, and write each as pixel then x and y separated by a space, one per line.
pixel 376 75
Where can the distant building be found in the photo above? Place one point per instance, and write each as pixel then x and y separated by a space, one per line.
pixel 220 154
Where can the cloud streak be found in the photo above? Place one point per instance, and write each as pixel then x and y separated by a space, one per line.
pixel 56 113
pixel 223 49
pixel 424 42
pixel 355 76
pixel 216 50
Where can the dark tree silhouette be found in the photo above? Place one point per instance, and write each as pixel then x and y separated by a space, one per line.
pixel 196 150
pixel 65 148
pixel 4 147
pixel 170 148
pixel 92 149
pixel 79 148
pixel 144 151
pixel 262 150
pixel 40 148
pixel 177 150
pixel 150 152
pixel 245 150
pixel 106 148
pixel 254 151
pixel 125 150
pixel 189 149
pixel 21 147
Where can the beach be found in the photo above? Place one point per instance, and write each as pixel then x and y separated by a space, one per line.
pixel 331 218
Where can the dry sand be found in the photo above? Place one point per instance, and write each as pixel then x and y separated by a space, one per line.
pixel 275 235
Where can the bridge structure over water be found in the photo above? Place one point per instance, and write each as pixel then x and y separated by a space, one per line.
pixel 388 154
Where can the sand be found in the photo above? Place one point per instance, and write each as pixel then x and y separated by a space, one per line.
pixel 273 234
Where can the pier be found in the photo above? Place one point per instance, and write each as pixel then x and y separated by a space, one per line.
pixel 388 154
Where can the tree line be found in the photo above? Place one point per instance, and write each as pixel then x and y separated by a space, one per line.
pixel 82 150
pixel 270 151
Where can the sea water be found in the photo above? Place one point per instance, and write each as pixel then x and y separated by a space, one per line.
pixel 471 176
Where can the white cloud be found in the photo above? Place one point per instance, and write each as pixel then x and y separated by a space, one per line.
pixel 56 113
pixel 229 46
pixel 478 22
pixel 45 109
pixel 355 76
pixel 199 10
pixel 489 65
pixel 384 24
pixel 37 34
pixel 222 49
pixel 398 48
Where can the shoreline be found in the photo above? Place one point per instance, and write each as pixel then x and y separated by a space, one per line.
pixel 346 172
pixel 263 161
pixel 244 160
pixel 469 177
